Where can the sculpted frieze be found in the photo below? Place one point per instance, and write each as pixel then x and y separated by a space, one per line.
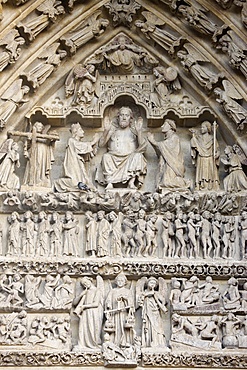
pixel 122 240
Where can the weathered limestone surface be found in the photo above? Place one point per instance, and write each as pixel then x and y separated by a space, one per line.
pixel 123 184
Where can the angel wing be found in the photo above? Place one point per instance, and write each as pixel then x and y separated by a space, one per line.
pixel 101 287
pixel 90 21
pixel 49 51
pixel 163 290
pixel 140 289
pixel 46 6
pixel 5 147
pixel 196 54
pixel 97 84
pixel 152 19
pixel 240 153
pixel 231 90
pixel 9 38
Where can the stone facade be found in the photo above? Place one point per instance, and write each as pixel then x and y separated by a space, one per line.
pixel 123 187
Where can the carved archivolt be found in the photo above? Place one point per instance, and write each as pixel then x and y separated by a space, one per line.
pixel 123 185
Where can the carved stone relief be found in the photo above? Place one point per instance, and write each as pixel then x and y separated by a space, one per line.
pixel 123 211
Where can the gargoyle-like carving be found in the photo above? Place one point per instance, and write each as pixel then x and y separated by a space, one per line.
pixel 189 294
pixel 122 11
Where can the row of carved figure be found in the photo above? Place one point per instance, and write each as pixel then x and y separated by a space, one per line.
pixel 225 203
pixel 110 317
pixel 206 333
pixel 124 162
pixel 57 292
pixel 223 38
pixel 127 235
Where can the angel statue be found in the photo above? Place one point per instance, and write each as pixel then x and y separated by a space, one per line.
pixel 92 27
pixel 9 160
pixel 49 10
pixel 89 309
pixel 151 297
pixel 166 81
pixel 38 75
pixel 83 83
pixel 165 39
pixel 196 16
pixel 119 311
pixel 228 99
pixel 199 66
pixel 11 41
pixel 11 100
pixel 236 180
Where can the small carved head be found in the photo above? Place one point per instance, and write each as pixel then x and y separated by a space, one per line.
pixel 168 125
pixel 39 126
pixel 206 127
pixel 125 117
pixel 120 280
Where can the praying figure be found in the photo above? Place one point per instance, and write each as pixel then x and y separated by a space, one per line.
pixel 77 153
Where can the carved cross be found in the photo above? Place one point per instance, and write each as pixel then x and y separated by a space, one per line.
pixel 33 138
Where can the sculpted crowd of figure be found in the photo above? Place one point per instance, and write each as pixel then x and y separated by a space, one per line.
pixel 124 163
pixel 132 233
pixel 108 318
pixel 39 235
pixel 129 234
